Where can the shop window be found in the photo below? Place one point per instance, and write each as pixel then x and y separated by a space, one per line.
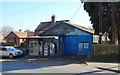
pixel 80 45
pixel 83 45
pixel 86 45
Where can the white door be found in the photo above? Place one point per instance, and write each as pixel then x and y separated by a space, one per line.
pixel 34 48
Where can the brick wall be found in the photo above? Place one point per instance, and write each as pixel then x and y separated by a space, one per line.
pixel 12 43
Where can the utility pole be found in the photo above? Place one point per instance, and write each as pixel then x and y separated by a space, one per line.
pixel 100 22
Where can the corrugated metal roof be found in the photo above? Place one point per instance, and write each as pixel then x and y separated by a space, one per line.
pixel 24 34
pixel 41 37
pixel 82 28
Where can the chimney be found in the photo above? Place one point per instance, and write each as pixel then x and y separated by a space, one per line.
pixel 53 19
pixel 20 30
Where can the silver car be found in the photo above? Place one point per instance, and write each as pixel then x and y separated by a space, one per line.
pixel 10 52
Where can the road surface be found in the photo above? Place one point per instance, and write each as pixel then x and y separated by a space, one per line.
pixel 55 65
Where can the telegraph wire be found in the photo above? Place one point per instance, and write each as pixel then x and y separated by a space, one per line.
pixel 76 12
pixel 27 10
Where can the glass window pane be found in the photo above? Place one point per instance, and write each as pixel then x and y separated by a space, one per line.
pixel 85 45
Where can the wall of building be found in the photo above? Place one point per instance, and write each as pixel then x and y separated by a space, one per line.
pixel 14 41
pixel 78 44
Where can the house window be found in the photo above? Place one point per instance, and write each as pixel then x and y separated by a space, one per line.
pixel 12 39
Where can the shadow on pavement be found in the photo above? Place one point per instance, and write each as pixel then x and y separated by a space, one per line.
pixel 23 63
pixel 102 69
pixel 108 69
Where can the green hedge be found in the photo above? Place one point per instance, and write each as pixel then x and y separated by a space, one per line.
pixel 106 49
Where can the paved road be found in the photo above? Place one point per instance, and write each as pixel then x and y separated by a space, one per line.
pixel 55 65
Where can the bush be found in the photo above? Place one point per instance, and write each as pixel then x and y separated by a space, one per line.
pixel 106 49
pixel 105 53
pixel 23 45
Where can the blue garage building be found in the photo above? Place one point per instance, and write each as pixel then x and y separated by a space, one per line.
pixel 71 38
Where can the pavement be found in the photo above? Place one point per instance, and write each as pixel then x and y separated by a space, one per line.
pixel 65 64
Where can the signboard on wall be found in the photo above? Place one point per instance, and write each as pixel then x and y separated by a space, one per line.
pixel 60 30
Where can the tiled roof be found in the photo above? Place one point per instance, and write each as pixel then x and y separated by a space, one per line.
pixel 22 34
pixel 47 25
pixel 82 28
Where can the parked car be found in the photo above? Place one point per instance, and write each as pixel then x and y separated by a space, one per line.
pixel 10 52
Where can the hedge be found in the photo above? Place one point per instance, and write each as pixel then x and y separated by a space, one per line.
pixel 106 49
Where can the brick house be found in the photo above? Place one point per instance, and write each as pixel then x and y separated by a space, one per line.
pixel 16 38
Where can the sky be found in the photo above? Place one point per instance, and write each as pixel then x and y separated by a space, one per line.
pixel 29 14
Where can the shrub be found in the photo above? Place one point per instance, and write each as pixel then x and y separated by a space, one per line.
pixel 106 49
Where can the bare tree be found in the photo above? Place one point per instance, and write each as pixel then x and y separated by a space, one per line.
pixel 6 30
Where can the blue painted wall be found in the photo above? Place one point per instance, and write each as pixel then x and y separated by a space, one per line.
pixel 70 44
pixel 84 39
pixel 78 44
